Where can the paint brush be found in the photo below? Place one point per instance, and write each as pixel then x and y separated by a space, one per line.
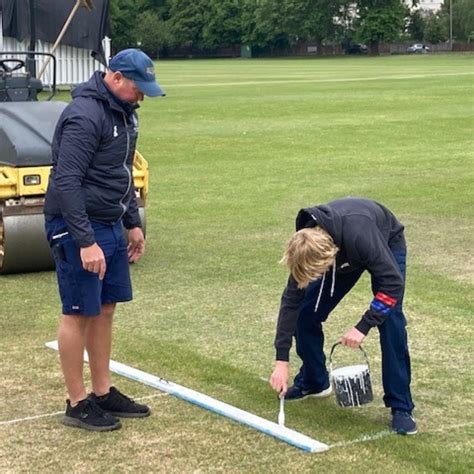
pixel 281 414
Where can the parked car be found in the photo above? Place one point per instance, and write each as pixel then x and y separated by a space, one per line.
pixel 357 48
pixel 418 48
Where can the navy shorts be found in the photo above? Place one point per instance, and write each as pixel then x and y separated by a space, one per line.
pixel 81 291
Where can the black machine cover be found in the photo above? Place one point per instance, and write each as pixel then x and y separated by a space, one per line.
pixel 87 28
pixel 26 132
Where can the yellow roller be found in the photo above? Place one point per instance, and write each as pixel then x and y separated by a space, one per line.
pixel 26 131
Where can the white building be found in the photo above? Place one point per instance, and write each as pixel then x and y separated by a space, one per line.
pixel 428 5
pixel 73 65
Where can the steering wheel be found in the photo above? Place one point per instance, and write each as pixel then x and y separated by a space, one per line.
pixel 18 64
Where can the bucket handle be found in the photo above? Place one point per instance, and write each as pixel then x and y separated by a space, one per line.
pixel 338 344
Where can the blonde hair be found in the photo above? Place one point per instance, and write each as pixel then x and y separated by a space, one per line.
pixel 309 254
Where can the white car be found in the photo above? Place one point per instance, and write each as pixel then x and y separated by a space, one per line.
pixel 418 48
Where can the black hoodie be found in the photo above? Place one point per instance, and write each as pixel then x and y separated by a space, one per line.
pixel 93 150
pixel 365 232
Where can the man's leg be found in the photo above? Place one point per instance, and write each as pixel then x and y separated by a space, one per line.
pixel 313 374
pixel 396 370
pixel 116 287
pixel 71 343
pixel 98 338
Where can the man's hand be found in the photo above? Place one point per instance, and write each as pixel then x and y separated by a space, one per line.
pixel 93 260
pixel 136 244
pixel 279 377
pixel 352 338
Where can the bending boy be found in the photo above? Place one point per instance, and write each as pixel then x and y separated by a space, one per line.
pixel 334 244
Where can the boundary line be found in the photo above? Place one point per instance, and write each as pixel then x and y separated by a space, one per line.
pixel 57 413
pixel 264 82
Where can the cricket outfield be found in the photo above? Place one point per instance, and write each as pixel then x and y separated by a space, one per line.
pixel 235 149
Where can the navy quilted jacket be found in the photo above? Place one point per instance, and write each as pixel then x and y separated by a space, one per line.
pixel 93 149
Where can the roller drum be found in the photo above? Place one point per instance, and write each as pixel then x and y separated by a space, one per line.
pixel 23 244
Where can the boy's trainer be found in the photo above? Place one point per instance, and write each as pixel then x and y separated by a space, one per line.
pixel 87 415
pixel 118 404
pixel 403 422
pixel 297 393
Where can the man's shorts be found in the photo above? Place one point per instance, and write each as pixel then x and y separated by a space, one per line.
pixel 81 291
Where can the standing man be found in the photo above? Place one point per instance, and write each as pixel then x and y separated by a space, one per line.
pixel 90 196
pixel 339 241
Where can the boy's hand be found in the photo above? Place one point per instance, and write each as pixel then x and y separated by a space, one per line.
pixel 352 338
pixel 279 377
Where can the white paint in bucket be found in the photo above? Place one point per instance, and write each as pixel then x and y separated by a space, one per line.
pixel 351 384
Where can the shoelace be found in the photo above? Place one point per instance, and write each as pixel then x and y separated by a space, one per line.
pixel 123 398
pixel 92 408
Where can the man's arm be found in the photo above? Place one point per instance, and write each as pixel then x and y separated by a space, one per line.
pixel 132 222
pixel 80 137
pixel 79 140
pixel 131 218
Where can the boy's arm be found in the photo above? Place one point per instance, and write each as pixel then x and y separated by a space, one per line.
pixel 377 258
pixel 289 310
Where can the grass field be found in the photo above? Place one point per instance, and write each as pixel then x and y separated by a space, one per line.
pixel 235 150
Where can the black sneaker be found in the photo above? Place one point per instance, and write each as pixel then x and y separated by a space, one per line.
pixel 118 404
pixel 87 415
pixel 403 423
pixel 297 393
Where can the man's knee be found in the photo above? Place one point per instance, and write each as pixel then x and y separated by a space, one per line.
pixel 107 310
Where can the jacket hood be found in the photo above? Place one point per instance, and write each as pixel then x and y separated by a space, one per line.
pixel 326 217
pixel 95 88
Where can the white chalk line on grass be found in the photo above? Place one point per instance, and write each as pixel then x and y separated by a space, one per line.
pixel 57 413
pixel 311 81
pixel 384 433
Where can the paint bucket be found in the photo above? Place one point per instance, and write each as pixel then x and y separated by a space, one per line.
pixel 351 384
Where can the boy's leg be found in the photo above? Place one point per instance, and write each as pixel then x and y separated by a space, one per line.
pixel 313 375
pixel 396 370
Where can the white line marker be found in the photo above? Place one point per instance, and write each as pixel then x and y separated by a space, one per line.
pixel 268 427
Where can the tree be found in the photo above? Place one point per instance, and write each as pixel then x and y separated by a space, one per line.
pixel 313 20
pixel 435 29
pixel 263 24
pixel 463 18
pixel 187 20
pixel 223 24
pixel 123 18
pixel 380 21
pixel 152 33
pixel 416 25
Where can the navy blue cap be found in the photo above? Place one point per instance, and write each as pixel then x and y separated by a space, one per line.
pixel 134 64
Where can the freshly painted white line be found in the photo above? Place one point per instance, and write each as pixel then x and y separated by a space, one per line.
pixel 292 437
pixel 363 439
pixel 264 82
pixel 57 413
pixel 448 428
pixel 29 418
